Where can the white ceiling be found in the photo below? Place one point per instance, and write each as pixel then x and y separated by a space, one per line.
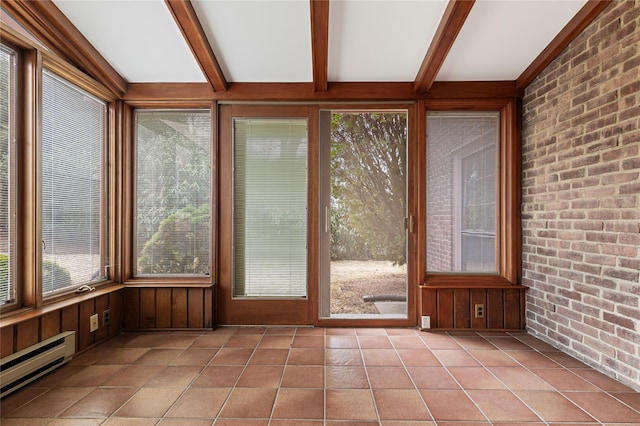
pixel 270 40
pixel 501 38
pixel 380 40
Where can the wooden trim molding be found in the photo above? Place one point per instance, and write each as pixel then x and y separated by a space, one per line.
pixel 320 43
pixel 189 24
pixel 466 92
pixel 450 25
pixel 509 258
pixel 53 28
pixel 578 23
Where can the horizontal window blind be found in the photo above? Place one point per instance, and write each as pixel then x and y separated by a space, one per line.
pixel 270 207
pixel 173 186
pixel 462 191
pixel 73 224
pixel 7 181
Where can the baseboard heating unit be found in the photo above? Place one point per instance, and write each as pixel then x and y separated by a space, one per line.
pixel 22 367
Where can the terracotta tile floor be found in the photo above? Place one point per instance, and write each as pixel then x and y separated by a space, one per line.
pixel 323 376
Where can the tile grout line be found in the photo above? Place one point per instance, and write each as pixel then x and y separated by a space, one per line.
pixel 406 370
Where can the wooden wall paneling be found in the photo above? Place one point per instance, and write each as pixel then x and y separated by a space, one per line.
pixel 147 308
pixel 50 324
pixel 209 307
pixel 429 305
pixel 493 311
pixel 27 333
pixel 70 318
pixel 6 340
pixel 163 308
pixel 461 308
pixel 445 308
pixel 101 305
pixel 131 309
pixel 523 308
pixel 85 337
pixel 179 308
pixel 478 296
pixel 115 306
pixel 512 308
pixel 195 308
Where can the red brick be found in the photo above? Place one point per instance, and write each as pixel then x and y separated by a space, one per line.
pixel 584 298
pixel 618 320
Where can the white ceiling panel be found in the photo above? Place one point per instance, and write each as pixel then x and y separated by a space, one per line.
pixel 138 38
pixel 501 38
pixel 380 40
pixel 259 41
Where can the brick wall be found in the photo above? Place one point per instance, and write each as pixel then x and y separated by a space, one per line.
pixel 581 196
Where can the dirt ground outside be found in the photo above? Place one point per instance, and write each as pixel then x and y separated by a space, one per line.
pixel 351 280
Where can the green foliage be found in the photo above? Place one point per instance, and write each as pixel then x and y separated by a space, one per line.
pixel 172 168
pixel 4 270
pixel 368 161
pixel 181 244
pixel 54 273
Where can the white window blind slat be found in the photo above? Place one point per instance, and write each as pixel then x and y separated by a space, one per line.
pixel 172 192
pixel 8 59
pixel 73 141
pixel 270 208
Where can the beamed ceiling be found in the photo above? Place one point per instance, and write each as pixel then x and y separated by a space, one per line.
pixel 222 45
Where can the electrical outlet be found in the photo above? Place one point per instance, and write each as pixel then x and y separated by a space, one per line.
pixel 106 317
pixel 425 323
pixel 479 310
pixel 93 323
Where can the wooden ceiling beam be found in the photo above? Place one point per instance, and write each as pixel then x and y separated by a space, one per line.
pixel 570 31
pixel 450 25
pixel 55 30
pixel 306 93
pixel 320 43
pixel 187 20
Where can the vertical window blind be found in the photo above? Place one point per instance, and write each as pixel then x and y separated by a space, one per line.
pixel 173 186
pixel 73 185
pixel 270 207
pixel 7 176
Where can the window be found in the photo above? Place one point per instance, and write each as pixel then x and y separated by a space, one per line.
pixel 173 175
pixel 8 58
pixel 73 186
pixel 462 182
pixel 270 207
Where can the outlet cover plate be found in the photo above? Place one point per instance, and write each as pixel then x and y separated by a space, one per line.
pixel 93 323
pixel 426 323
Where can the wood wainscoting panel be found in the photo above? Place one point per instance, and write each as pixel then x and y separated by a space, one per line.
pixel 29 327
pixel 453 307
pixel 148 308
pixel 50 324
pixel 27 333
pixel 6 341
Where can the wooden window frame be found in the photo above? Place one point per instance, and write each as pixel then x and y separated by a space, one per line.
pixel 32 59
pixel 128 257
pixel 509 226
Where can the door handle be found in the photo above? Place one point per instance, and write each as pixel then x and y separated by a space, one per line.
pixel 326 219
pixel 408 223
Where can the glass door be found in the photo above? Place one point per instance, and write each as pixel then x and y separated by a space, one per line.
pixel 363 217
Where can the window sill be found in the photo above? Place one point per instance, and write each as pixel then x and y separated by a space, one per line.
pixel 466 280
pixel 164 284
pixel 20 315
